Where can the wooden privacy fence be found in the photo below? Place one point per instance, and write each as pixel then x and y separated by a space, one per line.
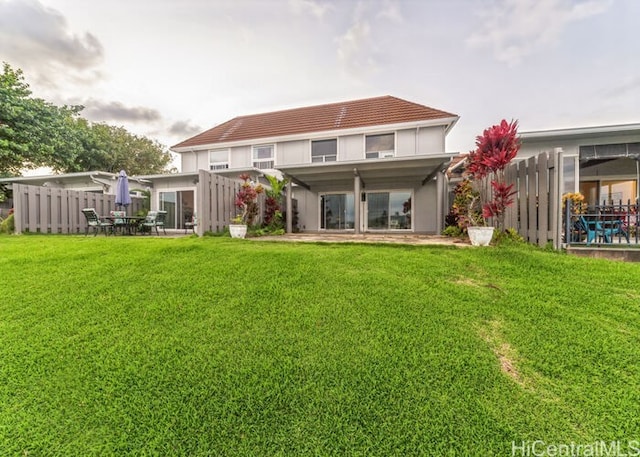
pixel 537 210
pixel 216 202
pixel 55 210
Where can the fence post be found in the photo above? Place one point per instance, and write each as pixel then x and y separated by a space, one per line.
pixel 567 221
pixel 558 188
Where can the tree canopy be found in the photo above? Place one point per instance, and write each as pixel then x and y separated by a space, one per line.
pixel 35 133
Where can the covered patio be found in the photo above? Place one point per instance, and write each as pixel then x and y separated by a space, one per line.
pixel 400 193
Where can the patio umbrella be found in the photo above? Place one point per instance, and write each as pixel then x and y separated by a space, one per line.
pixel 122 190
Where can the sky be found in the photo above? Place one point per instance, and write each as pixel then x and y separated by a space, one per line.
pixel 169 69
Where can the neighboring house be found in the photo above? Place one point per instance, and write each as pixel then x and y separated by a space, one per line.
pixel 600 162
pixel 87 181
pixel 375 164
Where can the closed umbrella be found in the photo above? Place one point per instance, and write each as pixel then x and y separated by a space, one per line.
pixel 122 190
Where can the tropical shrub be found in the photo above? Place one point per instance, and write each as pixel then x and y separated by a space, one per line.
pixel 273 203
pixel 8 224
pixel 495 149
pixel 247 200
pixel 578 203
pixel 465 209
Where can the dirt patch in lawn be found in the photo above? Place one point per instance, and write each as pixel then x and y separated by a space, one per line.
pixel 507 356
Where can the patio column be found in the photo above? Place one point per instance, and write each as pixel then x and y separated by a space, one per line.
pixel 356 201
pixel 289 208
pixel 440 196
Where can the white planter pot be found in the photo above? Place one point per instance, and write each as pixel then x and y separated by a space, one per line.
pixel 480 236
pixel 238 230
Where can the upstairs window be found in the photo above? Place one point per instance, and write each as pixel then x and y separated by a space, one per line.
pixel 324 150
pixel 263 157
pixel 380 146
pixel 219 159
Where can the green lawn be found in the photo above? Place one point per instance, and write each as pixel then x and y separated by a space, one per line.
pixel 212 346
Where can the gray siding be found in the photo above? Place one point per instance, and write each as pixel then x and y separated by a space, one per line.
pixel 240 157
pixel 194 161
pixel 350 147
pixel 308 209
pixel 431 140
pixel 406 142
pixel 189 162
pixel 293 152
pixel 425 208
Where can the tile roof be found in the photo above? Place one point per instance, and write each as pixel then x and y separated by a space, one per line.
pixel 334 116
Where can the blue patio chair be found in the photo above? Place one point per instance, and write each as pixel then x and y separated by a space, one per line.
pixel 97 224
pixel 603 230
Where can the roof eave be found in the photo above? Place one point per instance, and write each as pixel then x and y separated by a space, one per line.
pixel 579 131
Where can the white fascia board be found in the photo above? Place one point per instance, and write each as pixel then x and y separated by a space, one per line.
pixel 448 122
pixel 579 131
pixel 350 163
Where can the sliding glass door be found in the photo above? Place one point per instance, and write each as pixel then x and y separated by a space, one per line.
pixel 179 206
pixel 336 211
pixel 389 211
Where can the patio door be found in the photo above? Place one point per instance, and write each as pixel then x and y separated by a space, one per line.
pixel 336 212
pixel 388 211
pixel 179 206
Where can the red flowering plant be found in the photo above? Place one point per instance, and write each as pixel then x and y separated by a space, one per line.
pixel 495 149
pixel 247 200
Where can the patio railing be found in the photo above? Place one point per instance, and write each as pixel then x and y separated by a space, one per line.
pixel 609 224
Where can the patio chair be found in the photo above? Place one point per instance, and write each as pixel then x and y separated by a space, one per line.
pixel 190 222
pixel 118 219
pixel 162 216
pixel 603 230
pixel 149 222
pixel 154 220
pixel 97 224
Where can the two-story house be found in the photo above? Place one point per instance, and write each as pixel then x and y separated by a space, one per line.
pixel 364 165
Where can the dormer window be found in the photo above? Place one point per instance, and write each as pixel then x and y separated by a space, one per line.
pixel 219 159
pixel 263 157
pixel 380 146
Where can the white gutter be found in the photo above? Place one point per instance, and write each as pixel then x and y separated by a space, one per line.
pixel 598 130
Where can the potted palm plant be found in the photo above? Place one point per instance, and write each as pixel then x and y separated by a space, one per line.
pixel 247 202
pixel 495 149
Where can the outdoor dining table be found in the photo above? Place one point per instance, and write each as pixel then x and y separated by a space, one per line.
pixel 130 222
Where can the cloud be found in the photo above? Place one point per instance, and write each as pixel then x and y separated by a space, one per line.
pixel 390 11
pixel 182 129
pixel 313 7
pixel 514 29
pixel 38 40
pixel 97 110
pixel 362 48
pixel 356 50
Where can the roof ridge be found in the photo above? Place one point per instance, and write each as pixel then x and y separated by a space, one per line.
pixel 322 105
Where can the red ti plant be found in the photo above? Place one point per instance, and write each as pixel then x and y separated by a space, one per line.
pixel 247 200
pixel 495 149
